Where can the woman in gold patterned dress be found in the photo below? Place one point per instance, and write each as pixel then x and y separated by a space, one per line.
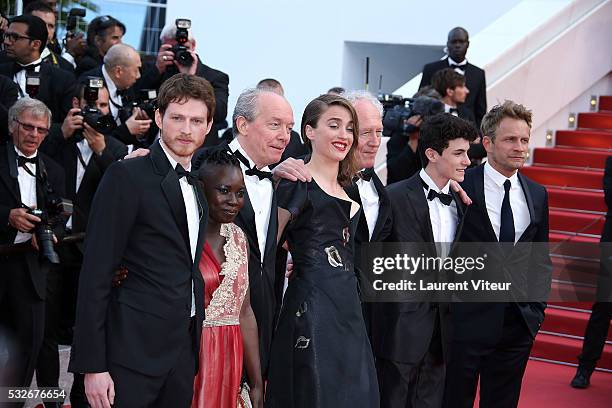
pixel 229 333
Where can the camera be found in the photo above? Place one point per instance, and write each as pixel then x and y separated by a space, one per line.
pixel 145 99
pixel 181 53
pixel 53 213
pixel 32 84
pixel 72 21
pixel 90 113
pixel 398 110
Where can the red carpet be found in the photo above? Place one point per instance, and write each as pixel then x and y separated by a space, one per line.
pixel 565 177
pixel 605 103
pixel 572 199
pixel 584 139
pixel 595 120
pixel 585 159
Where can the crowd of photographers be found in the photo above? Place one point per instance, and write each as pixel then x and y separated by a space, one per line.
pixel 68 109
pixel 96 98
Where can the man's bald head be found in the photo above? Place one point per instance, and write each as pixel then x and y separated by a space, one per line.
pixel 122 63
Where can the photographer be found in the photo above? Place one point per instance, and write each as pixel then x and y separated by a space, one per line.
pixel 178 54
pixel 120 72
pixel 28 180
pixel 102 33
pixel 402 123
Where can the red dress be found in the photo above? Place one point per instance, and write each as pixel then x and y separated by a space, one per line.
pixel 217 383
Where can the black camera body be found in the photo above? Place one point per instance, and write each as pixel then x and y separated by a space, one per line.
pixel 54 211
pixel 90 113
pixel 181 53
pixel 72 21
pixel 145 99
pixel 398 110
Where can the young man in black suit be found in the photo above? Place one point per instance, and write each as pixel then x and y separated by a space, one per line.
pixel 138 344
pixel 457 45
pixel 28 179
pixel 24 41
pixel 493 340
pixel 410 339
pixel 451 85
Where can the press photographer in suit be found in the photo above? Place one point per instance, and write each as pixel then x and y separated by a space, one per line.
pixel 138 344
pixel 28 180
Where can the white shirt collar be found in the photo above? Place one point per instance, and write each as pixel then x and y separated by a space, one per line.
pixel 173 162
pixel 497 177
pixel 235 145
pixel 35 62
pixel 45 53
pixel 112 88
pixel 431 183
pixel 452 61
pixel 19 153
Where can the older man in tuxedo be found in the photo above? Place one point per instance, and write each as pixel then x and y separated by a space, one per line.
pixel 28 179
pixel 492 341
pixel 138 344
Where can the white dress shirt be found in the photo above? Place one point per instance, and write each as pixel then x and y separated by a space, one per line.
pixel 68 57
pixel 369 201
pixel 494 196
pixel 260 196
pixel 193 214
pixel 115 100
pixel 20 78
pixel 86 154
pixel 447 109
pixel 27 190
pixel 443 218
pixel 462 64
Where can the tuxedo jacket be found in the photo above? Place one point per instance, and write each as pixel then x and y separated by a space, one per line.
pixel 265 282
pixel 65 152
pixel 476 101
pixel 402 331
pixel 606 235
pixel 483 322
pixel 402 162
pixel 219 80
pixel 8 96
pixel 138 220
pixel 57 87
pixel 10 198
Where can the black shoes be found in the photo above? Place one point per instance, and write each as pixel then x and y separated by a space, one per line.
pixel 582 379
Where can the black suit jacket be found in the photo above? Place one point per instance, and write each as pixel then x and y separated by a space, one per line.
pixel 57 87
pixel 10 198
pixel 219 80
pixel 402 162
pixel 65 152
pixel 483 322
pixel 8 96
pixel 476 101
pixel 138 219
pixel 403 331
pixel 606 235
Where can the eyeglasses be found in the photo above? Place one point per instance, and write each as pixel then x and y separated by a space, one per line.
pixel 31 128
pixel 12 37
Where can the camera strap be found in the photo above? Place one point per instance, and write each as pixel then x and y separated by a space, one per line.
pixel 80 157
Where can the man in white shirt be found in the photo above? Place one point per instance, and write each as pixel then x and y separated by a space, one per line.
pixel 27 180
pixel 410 339
pixel 492 341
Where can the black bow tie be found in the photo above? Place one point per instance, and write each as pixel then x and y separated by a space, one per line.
pixel 445 199
pixel 252 171
pixel 22 160
pixel 29 68
pixel 461 67
pixel 453 110
pixel 366 174
pixel 181 172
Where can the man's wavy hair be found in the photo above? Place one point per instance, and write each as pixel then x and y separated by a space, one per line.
pixel 182 87
pixel 508 109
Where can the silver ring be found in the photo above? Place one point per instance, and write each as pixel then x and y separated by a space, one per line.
pixel 165 58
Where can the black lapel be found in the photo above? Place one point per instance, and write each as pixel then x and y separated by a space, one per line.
pixel 462 210
pixel 46 80
pixel 246 220
pixel 363 232
pixel 421 208
pixel 271 243
pixel 172 190
pixel 529 200
pixel 479 198
pixel 383 205
pixel 11 178
pixel 70 169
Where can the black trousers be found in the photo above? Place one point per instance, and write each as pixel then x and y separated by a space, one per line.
pixel 413 385
pixel 595 334
pixel 500 367
pixel 174 389
pixel 22 315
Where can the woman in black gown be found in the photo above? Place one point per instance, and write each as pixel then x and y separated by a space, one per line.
pixel 321 356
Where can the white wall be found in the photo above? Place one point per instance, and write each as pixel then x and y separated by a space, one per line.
pixel 301 42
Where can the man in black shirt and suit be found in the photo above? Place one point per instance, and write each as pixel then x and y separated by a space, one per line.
pixel 493 340
pixel 410 339
pixel 138 344
pixel 457 45
pixel 167 65
pixel 24 41
pixel 8 96
pixel 28 179
pixel 451 85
